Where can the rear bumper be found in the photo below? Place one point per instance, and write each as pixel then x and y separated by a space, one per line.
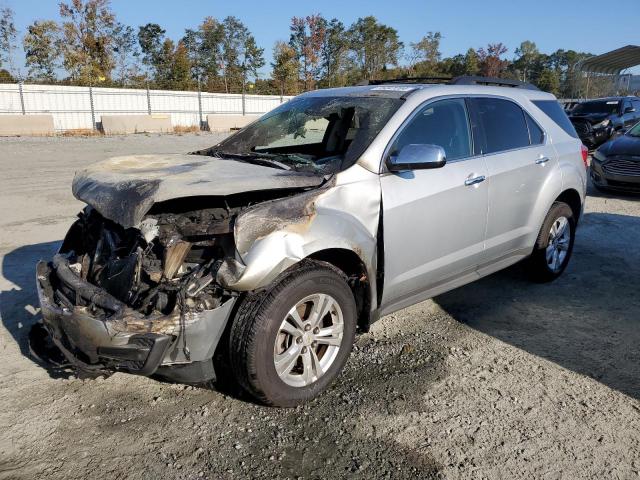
pixel 125 340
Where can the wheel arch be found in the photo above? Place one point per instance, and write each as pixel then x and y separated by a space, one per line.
pixel 572 198
pixel 354 268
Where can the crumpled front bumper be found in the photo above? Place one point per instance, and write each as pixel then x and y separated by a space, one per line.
pixel 125 340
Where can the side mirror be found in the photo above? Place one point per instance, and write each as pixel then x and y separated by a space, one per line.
pixel 629 110
pixel 417 156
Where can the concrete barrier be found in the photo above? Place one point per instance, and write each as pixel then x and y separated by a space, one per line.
pixel 12 125
pixel 223 123
pixel 116 124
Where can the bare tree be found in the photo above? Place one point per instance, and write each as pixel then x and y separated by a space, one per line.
pixel 8 37
pixel 126 53
pixel 491 62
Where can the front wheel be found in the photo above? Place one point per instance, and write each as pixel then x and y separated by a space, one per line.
pixel 554 244
pixel 289 342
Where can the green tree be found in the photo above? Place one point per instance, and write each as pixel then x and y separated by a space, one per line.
pixel 564 62
pixel 425 54
pixel 452 66
pixel 126 53
pixel 549 81
pixel 8 36
pixel 471 62
pixel 373 46
pixel 41 45
pixel 87 34
pixel 307 38
pixel 241 56
pixel 333 52
pixel 204 46
pixel 150 39
pixel 172 67
pixel 528 61
pixel 285 68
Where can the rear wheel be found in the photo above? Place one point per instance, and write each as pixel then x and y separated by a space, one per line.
pixel 554 245
pixel 289 342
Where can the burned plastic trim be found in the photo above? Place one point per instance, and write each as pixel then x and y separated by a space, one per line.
pixel 127 340
pixel 273 236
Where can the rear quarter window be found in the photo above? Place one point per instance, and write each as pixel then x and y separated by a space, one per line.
pixel 554 111
pixel 503 123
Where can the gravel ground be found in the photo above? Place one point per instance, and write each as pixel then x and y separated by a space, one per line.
pixel 499 379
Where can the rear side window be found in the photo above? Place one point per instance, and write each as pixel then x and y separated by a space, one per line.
pixel 503 123
pixel 555 112
pixel 535 132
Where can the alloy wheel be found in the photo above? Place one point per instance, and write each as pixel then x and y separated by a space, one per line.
pixel 308 340
pixel 558 246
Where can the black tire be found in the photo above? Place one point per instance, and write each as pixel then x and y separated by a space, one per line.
pixel 537 265
pixel 253 332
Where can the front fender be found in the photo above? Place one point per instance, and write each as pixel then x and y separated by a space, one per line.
pixel 275 235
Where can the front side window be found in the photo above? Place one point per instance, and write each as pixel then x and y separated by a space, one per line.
pixel 444 123
pixel 503 123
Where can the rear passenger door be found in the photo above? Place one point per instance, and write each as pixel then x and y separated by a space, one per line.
pixel 519 161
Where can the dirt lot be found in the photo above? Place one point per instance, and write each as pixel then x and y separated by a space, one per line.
pixel 499 379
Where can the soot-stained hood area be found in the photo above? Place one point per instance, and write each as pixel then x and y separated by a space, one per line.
pixel 123 189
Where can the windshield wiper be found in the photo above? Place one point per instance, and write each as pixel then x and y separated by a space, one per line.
pixel 294 158
pixel 255 158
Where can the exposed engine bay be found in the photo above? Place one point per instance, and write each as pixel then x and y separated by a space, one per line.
pixel 176 261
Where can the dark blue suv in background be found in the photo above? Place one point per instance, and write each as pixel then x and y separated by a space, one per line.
pixel 597 120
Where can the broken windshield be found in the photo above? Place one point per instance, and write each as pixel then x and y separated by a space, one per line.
pixel 313 133
pixel 598 106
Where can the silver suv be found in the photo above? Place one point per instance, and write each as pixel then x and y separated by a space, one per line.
pixel 263 255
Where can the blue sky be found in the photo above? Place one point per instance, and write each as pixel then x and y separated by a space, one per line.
pixel 569 24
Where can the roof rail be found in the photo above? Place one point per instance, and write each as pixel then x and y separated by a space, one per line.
pixel 462 80
pixel 406 80
pixel 491 81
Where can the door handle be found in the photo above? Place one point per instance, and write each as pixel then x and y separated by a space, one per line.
pixel 474 180
pixel 542 160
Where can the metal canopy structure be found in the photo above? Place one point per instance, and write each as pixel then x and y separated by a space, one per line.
pixel 612 62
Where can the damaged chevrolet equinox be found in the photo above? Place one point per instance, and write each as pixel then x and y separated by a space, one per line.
pixel 264 254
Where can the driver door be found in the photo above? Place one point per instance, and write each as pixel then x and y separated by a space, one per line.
pixel 434 220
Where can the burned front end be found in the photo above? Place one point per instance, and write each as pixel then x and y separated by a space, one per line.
pixel 143 298
pixel 592 133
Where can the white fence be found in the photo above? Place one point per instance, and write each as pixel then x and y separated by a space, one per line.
pixel 81 107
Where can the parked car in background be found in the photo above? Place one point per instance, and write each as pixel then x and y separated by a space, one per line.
pixel 597 120
pixel 569 105
pixel 268 250
pixel 616 164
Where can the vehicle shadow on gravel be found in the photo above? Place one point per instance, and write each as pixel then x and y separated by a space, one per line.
pixel 587 321
pixel 19 307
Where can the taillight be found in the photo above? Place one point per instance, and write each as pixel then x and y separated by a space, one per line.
pixel 585 156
